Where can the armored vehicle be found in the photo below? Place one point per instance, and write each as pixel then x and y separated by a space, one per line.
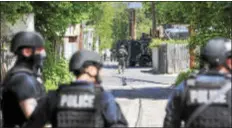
pixel 138 51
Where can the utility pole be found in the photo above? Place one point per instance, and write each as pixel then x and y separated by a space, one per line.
pixel 153 20
pixel 132 18
pixel 132 24
pixel 191 50
pixel 81 37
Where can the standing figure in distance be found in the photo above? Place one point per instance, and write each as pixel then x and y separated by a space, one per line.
pixel 122 56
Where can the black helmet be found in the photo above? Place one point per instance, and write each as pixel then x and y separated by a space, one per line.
pixel 79 58
pixel 122 46
pixel 216 51
pixel 26 39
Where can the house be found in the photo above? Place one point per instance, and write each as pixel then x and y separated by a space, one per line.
pixel 89 42
pixel 25 23
pixel 71 40
pixel 77 37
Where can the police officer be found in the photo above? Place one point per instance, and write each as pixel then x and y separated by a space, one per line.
pixel 82 103
pixel 22 86
pixel 204 99
pixel 122 56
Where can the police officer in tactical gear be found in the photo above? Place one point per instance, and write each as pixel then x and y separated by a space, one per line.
pixel 82 103
pixel 22 86
pixel 204 99
pixel 122 56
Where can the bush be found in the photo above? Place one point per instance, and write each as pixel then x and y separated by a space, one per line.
pixel 182 76
pixel 56 74
pixel 157 42
pixel 55 69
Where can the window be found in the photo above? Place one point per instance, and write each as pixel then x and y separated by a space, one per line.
pixel 72 39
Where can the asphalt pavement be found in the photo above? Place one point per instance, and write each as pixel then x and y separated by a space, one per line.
pixel 144 98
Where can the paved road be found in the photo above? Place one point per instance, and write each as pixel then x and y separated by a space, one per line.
pixel 144 98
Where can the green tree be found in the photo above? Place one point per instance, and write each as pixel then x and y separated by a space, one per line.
pixel 143 22
pixel 120 26
pixel 103 21
pixel 51 20
pixel 207 19
pixel 11 11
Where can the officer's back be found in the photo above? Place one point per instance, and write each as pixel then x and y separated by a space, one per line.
pixel 82 103
pixel 204 99
pixel 78 105
pixel 200 90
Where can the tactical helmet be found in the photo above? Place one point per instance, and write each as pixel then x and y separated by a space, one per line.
pixel 122 46
pixel 79 58
pixel 216 51
pixel 26 39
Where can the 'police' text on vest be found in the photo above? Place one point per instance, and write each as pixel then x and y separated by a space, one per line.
pixel 202 96
pixel 77 101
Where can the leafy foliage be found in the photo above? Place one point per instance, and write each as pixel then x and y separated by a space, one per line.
pixel 120 25
pixel 55 70
pixel 11 11
pixel 143 22
pixel 207 19
pixel 56 74
pixel 103 21
pixel 52 19
pixel 157 42
pixel 182 76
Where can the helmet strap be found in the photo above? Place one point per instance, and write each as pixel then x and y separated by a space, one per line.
pixel 97 77
pixel 227 67
pixel 32 56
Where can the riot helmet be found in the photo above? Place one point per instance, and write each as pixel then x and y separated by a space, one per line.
pixel 122 46
pixel 216 51
pixel 26 39
pixel 31 40
pixel 82 59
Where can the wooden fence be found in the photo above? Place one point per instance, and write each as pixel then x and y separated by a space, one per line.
pixel 171 58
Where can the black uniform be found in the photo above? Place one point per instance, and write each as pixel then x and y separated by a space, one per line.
pixel 79 104
pixel 20 83
pixel 196 92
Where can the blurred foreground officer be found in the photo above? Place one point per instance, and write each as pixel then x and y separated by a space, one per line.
pixel 23 87
pixel 82 103
pixel 204 100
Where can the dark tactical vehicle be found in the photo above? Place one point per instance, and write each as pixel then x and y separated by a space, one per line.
pixel 138 51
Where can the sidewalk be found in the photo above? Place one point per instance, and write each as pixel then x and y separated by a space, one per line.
pixel 130 109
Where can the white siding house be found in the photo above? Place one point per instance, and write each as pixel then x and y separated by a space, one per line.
pixel 25 23
pixel 71 40
pixel 89 43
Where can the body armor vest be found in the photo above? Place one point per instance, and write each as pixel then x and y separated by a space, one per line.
pixel 40 89
pixel 200 90
pixel 78 106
